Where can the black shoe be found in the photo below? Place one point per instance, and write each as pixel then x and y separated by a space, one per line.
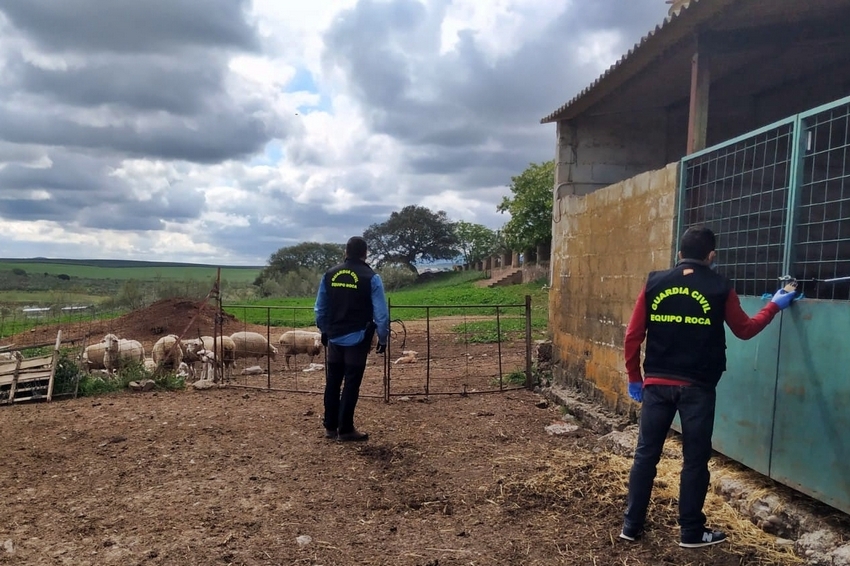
pixel 630 534
pixel 331 433
pixel 706 538
pixel 353 436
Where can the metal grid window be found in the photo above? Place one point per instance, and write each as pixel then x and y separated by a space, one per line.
pixel 821 252
pixel 741 192
pixel 744 189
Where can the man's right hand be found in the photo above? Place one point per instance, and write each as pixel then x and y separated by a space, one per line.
pixel 380 348
pixel 783 298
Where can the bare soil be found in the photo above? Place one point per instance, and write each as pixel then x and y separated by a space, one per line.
pixel 245 477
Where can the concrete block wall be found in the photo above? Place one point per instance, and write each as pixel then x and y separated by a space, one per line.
pixel 603 246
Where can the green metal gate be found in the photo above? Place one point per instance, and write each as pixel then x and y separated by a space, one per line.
pixel 779 200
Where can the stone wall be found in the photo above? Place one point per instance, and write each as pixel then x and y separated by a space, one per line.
pixel 603 245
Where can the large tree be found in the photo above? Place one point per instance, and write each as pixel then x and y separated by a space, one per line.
pixel 475 241
pixel 413 234
pixel 530 207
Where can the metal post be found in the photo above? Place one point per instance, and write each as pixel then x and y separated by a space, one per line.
pixel 427 350
pixel 528 382
pixel 387 356
pixel 499 346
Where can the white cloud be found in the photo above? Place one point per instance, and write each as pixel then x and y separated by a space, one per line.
pixel 224 140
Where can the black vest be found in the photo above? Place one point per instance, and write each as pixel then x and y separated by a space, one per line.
pixel 349 288
pixel 685 314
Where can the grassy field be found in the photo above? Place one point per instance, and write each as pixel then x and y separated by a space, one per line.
pixel 125 270
pixel 449 294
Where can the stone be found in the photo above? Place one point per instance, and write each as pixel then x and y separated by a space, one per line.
pixel 202 384
pixel 560 429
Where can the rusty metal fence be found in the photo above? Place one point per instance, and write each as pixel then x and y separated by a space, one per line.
pixel 433 350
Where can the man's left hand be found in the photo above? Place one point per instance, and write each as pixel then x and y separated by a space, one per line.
pixel 636 391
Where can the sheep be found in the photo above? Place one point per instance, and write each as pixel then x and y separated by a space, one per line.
pixel 110 352
pixel 120 351
pixel 294 342
pixel 93 354
pixel 252 345
pixel 167 352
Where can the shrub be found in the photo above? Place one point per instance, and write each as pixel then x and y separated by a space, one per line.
pixel 19 272
pixel 395 277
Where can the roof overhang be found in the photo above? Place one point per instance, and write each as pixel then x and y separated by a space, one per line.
pixel 754 46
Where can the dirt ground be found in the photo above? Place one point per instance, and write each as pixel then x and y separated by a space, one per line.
pixel 245 477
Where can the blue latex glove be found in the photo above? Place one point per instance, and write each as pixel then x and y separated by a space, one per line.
pixel 636 391
pixel 783 298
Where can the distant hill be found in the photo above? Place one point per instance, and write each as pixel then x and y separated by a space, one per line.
pixel 118 263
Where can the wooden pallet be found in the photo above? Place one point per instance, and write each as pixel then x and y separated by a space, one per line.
pixel 29 380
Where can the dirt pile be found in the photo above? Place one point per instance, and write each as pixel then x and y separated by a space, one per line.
pixel 185 317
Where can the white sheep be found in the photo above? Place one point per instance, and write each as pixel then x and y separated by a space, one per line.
pixel 252 345
pixel 120 351
pixel 93 354
pixel 167 352
pixel 294 342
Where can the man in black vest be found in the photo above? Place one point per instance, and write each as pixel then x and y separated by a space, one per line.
pixel 680 313
pixel 350 307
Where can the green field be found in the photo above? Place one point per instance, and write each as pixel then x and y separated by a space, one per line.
pixel 123 270
pixel 49 297
pixel 450 294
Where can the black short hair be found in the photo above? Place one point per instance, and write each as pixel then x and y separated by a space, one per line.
pixel 355 248
pixel 697 242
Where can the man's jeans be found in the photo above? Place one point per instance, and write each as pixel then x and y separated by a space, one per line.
pixel 345 368
pixel 696 413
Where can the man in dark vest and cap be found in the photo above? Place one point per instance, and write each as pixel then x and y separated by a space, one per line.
pixel 350 307
pixel 680 313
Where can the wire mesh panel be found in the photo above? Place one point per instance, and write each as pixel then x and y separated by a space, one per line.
pixel 741 192
pixel 432 350
pixel 821 260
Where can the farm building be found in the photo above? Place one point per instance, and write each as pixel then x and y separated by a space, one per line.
pixel 734 114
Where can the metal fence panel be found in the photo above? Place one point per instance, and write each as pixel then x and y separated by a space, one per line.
pixel 811 444
pixel 745 396
pixel 741 192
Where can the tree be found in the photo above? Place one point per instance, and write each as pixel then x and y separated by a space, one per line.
pixel 475 241
pixel 415 233
pixel 530 208
pixel 306 255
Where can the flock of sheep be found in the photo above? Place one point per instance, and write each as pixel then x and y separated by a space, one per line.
pixel 182 356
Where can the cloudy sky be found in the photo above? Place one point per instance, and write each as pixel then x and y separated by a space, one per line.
pixel 218 131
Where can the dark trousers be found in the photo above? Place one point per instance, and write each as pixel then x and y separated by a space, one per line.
pixel 696 413
pixel 344 370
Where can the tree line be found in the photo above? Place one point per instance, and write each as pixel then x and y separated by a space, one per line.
pixel 416 234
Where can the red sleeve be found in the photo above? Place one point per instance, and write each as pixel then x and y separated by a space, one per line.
pixel 740 322
pixel 635 334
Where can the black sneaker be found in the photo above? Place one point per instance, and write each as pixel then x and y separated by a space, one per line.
pixel 630 534
pixel 330 433
pixel 353 436
pixel 706 538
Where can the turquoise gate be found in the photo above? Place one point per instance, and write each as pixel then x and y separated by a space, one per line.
pixel 779 200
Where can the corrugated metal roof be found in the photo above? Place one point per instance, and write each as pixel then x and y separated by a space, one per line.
pixel 666 34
